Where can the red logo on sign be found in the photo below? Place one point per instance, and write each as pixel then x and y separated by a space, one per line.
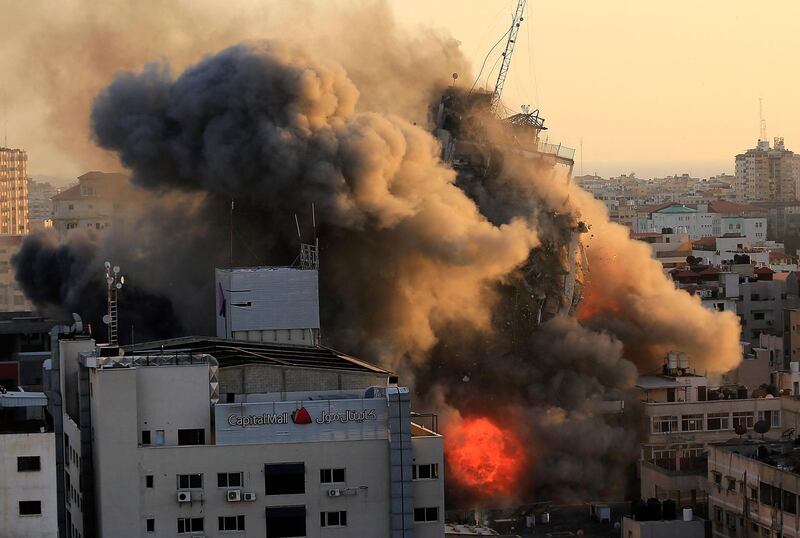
pixel 301 416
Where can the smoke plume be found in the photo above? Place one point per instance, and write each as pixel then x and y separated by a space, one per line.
pixel 421 266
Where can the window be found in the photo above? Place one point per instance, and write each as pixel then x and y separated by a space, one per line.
pixel 776 419
pixel 717 478
pixel 194 436
pixel 731 484
pixel 745 418
pixel 231 523
pixel 286 521
pixel 329 476
pixel 691 423
pixel 145 437
pixel 718 514
pixel 718 421
pixel 190 481
pixel 754 494
pixel 789 502
pixel 333 519
pixel 665 424
pixel 28 463
pixel 30 508
pixel 148 481
pixel 427 471
pixel 422 515
pixel 150 525
pixel 190 524
pixel 229 480
pixel 71 206
pixel 285 478
pixel 758 315
pixel 159 438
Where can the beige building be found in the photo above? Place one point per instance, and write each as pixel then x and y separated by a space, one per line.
pixel 94 204
pixel 683 414
pixel 767 174
pixel 13 191
pixel 12 299
pixel 753 489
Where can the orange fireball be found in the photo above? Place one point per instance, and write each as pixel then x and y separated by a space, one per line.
pixel 483 456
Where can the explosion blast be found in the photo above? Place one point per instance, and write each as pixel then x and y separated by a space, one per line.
pixel 418 264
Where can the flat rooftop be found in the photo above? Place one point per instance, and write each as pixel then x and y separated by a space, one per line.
pixel 783 455
pixel 234 353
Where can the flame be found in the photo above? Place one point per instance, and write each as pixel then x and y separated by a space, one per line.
pixel 594 303
pixel 483 456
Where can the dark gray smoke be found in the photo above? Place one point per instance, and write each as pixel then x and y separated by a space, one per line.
pixel 418 269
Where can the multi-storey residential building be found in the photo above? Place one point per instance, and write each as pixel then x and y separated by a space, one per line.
pixel 12 299
pixel 40 204
pixel 683 414
pixel 767 174
pixel 13 191
pixel 28 494
pixel 753 488
pixel 94 204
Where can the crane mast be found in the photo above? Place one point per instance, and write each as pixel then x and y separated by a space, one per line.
pixel 512 39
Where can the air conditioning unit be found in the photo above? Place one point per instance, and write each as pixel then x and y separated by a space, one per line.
pixel 234 495
pixel 249 497
pixel 334 492
pixel 184 496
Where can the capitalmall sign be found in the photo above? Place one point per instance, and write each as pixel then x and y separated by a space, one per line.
pixel 302 416
pixel 301 421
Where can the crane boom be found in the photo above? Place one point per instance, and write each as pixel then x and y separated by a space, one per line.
pixel 512 39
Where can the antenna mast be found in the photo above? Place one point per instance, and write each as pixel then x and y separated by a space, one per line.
pixel 115 282
pixel 761 121
pixel 512 39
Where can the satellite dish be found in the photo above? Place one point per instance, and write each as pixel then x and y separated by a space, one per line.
pixel 122 279
pixel 740 429
pixel 109 280
pixel 106 319
pixel 455 76
pixel 116 269
pixel 108 265
pixel 119 285
pixel 761 426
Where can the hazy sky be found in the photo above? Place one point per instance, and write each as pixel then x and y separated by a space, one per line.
pixel 651 87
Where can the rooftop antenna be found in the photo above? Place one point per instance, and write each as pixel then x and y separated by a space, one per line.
pixel 115 282
pixel 309 258
pixel 231 239
pixel 761 121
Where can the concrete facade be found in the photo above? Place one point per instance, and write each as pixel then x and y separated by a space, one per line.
pixel 21 486
pixel 753 489
pixel 138 409
pixel 662 529
pixel 93 205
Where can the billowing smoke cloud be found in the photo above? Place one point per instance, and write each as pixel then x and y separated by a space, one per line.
pixel 420 265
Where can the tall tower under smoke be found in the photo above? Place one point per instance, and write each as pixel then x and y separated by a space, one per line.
pixel 13 191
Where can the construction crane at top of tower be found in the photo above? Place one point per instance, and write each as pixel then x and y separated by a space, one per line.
pixel 509 50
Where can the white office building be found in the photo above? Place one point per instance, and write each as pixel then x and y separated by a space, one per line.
pixel 28 493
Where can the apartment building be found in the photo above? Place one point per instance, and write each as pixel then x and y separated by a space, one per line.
pixel 40 204
pixel 767 174
pixel 13 191
pixel 753 488
pixel 94 204
pixel 683 414
pixel 28 494
pixel 12 299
